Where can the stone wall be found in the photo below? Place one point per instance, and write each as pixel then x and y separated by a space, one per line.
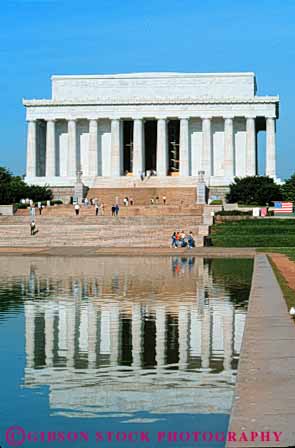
pixel 7 210
pixel 151 85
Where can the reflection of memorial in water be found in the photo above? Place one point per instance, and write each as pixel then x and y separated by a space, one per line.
pixel 108 344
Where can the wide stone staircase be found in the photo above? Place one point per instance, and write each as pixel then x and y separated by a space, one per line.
pixel 101 231
pixel 140 225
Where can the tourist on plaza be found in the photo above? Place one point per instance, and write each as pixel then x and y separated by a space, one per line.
pixel 40 208
pixel 96 209
pixel 102 209
pixel 117 208
pixel 190 241
pixel 173 240
pixel 131 201
pixel 152 201
pixel 142 176
pixel 77 209
pixel 164 200
pixel 86 202
pixel 126 201
pixel 113 210
pixel 33 227
pixel 177 237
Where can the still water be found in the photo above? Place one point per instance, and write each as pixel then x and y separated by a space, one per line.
pixel 91 346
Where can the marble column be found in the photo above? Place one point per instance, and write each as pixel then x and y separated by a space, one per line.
pixel 270 163
pixel 72 148
pixel 32 149
pixel 93 168
pixel 207 147
pixel 228 147
pixel 184 147
pixel 50 149
pixel 250 147
pixel 138 147
pixel 116 161
pixel 162 148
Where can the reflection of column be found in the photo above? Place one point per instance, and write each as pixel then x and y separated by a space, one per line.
pixel 136 335
pixel 206 338
pixel 49 334
pixel 160 335
pixel 228 336
pixel 183 328
pixel 92 330
pixel 115 333
pixel 200 289
pixel 30 333
pixel 71 329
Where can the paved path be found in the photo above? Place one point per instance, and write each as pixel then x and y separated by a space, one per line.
pixel 64 251
pixel 265 390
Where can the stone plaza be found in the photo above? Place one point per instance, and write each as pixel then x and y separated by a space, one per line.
pixel 112 128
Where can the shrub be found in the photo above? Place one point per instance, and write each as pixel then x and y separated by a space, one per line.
pixel 216 202
pixel 233 213
pixel 254 190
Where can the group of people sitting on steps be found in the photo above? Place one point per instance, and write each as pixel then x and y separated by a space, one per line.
pixel 180 239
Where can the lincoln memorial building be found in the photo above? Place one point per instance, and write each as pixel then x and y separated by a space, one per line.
pixel 112 128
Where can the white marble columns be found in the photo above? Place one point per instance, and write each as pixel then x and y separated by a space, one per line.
pixel 228 147
pixel 270 147
pixel 162 147
pixel 250 147
pixel 207 146
pixel 50 166
pixel 32 149
pixel 93 168
pixel 138 147
pixel 184 147
pixel 116 148
pixel 72 148
pixel 220 150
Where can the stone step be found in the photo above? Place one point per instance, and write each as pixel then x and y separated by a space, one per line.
pixel 185 196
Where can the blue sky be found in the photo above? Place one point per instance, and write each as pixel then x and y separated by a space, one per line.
pixel 39 38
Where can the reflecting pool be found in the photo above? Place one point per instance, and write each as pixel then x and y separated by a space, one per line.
pixel 119 344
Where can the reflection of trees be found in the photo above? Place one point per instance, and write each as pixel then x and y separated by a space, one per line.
pixel 235 276
pixel 10 299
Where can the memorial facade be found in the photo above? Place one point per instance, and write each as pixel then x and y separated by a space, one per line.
pixel 112 128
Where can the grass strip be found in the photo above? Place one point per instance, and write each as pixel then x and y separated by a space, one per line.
pixel 288 293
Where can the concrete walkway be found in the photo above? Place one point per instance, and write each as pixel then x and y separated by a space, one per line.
pixel 71 251
pixel 265 390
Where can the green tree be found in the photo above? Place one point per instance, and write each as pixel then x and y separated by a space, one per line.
pixel 288 189
pixel 254 190
pixel 13 189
